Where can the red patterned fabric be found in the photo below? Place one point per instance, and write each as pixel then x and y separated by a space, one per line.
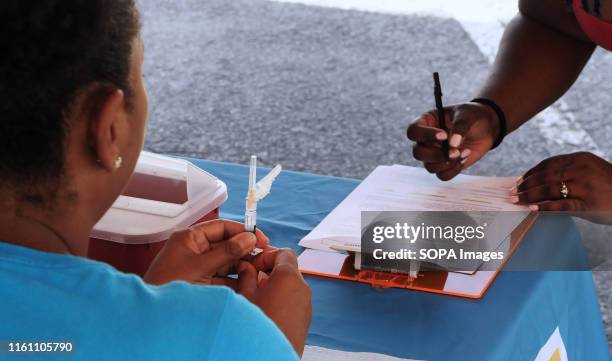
pixel 598 30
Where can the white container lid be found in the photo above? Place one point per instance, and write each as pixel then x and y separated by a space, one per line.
pixel 163 195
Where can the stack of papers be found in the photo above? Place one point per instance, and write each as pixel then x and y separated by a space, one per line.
pixel 403 188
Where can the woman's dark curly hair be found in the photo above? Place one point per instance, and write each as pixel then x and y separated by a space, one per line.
pixel 51 51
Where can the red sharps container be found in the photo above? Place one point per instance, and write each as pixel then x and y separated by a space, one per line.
pixel 164 194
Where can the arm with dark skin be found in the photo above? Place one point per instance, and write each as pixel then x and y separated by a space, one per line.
pixel 541 54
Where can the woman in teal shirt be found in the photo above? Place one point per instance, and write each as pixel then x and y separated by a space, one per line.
pixel 73 111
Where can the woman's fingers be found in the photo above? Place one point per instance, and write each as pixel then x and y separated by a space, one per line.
pixel 549 192
pixel 450 173
pixel 426 132
pixel 550 176
pixel 428 154
pixel 536 194
pixel 545 181
pixel 425 129
pixel 226 253
pixel 556 162
pixel 265 261
pixel 461 126
pixel 204 250
pixel 445 170
pixel 217 281
pixel 247 279
pixel 221 229
pixel 563 205
pixel 228 269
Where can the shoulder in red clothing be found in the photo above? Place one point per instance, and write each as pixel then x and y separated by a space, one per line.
pixel 595 19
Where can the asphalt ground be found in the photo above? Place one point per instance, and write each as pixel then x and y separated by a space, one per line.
pixel 331 92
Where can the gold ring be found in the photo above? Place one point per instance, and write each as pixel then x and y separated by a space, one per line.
pixel 564 190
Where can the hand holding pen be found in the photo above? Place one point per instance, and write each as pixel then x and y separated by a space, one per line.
pixel 469 129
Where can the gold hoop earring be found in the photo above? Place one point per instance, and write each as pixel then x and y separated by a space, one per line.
pixel 118 162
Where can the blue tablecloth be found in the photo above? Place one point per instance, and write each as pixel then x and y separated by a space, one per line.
pixel 512 321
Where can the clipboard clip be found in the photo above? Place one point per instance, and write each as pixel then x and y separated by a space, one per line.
pixel 376 278
pixel 382 280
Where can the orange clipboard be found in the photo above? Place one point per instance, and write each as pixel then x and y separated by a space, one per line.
pixel 472 285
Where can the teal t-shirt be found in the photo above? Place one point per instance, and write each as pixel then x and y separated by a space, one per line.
pixel 109 315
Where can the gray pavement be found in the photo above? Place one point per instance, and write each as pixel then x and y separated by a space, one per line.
pixel 330 91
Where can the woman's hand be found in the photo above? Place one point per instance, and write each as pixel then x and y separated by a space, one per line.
pixel 588 180
pixel 473 129
pixel 284 296
pixel 204 253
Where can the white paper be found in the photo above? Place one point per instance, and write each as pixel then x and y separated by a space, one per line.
pixel 403 188
pixel 316 353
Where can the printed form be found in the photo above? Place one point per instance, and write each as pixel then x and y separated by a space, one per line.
pixel 404 188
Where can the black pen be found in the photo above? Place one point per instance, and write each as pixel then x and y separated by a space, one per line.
pixel 440 108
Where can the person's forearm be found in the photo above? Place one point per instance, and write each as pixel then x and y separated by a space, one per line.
pixel 536 64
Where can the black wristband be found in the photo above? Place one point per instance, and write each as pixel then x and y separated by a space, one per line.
pixel 501 118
